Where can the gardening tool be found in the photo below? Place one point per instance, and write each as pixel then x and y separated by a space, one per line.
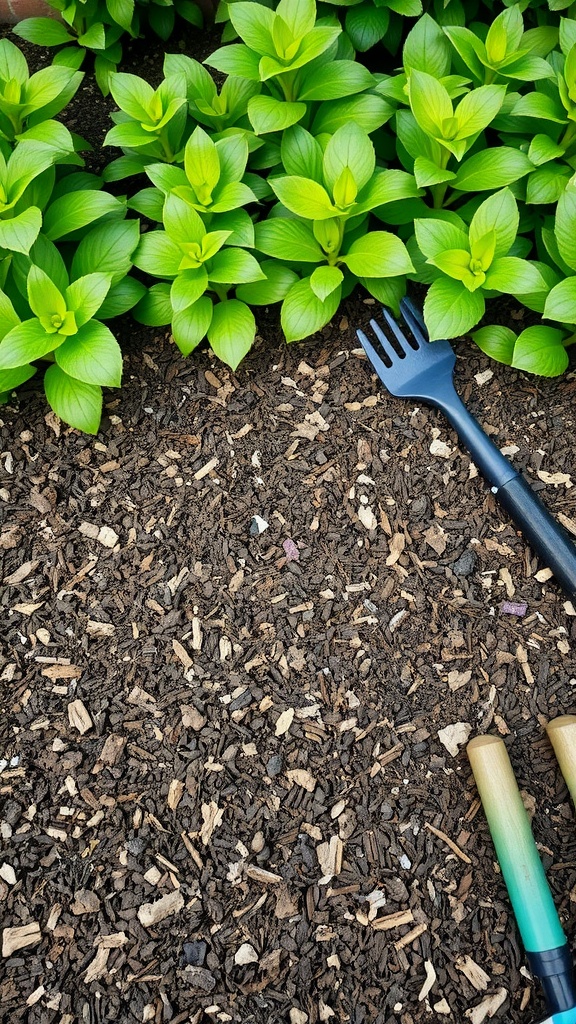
pixel 413 367
pixel 562 734
pixel 538 922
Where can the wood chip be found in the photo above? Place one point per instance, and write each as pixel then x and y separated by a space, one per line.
pixel 21 573
pixel 175 793
pixel 192 718
pixel 396 920
pixel 454 736
pixel 182 654
pixel 20 937
pixel 410 936
pixel 261 875
pixel 85 902
pixel 471 970
pixel 396 545
pixel 284 722
pixel 150 914
pixel 97 968
pixel 487 1008
pixel 206 469
pixel 449 842
pixel 79 717
pixel 212 818
pixel 330 858
pixel 430 980
pixel 302 778
pixel 111 752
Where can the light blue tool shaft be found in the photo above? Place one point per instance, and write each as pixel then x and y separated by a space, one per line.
pixel 521 866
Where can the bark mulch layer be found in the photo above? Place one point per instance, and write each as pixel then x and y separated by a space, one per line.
pixel 233 780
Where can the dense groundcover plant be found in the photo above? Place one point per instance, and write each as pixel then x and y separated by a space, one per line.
pixel 297 174
pixel 65 249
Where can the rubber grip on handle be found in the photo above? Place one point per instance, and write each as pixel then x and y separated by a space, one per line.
pixel 521 866
pixel 562 734
pixel 541 530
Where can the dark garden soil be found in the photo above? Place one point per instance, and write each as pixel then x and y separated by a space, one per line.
pixel 225 793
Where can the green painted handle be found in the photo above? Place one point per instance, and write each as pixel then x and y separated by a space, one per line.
pixel 521 866
pixel 562 734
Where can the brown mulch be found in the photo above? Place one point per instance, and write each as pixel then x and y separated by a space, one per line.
pixel 224 796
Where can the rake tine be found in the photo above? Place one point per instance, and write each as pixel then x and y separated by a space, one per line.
pixel 394 327
pixel 377 362
pixel 414 321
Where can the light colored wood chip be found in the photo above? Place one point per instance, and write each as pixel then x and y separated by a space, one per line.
pixel 192 718
pixel 471 970
pixel 21 572
pixel 454 736
pixel 410 936
pixel 97 968
pixel 150 914
pixel 20 937
pixel 449 842
pixel 100 629
pixel 396 545
pixel 303 778
pixel 175 793
pixel 212 818
pixel 79 717
pixel 111 751
pixel 330 858
pixel 182 654
pixel 7 873
pixel 261 875
pixel 367 517
pixel 400 917
pixel 487 1008
pixel 430 980
pixel 206 469
pixel 62 672
pixel 284 721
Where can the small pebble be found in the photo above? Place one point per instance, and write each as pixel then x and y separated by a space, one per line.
pixel 464 565
pixel 257 526
pixel 274 766
pixel 194 953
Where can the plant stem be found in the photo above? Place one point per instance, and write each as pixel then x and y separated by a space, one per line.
pixel 568 136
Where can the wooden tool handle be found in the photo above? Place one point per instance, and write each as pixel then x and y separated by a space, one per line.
pixel 562 735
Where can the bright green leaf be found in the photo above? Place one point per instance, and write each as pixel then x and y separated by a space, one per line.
pixel 75 402
pixel 92 355
pixel 232 331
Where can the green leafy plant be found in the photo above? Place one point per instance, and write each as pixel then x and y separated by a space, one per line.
pixel 150 123
pixel 297 60
pixel 27 100
pixel 203 271
pixel 97 26
pixel 469 262
pixel 323 218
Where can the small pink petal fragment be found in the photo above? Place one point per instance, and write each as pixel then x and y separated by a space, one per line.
pixel 518 608
pixel 291 551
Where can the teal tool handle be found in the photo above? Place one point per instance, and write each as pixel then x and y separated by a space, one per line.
pixel 521 866
pixel 568 1017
